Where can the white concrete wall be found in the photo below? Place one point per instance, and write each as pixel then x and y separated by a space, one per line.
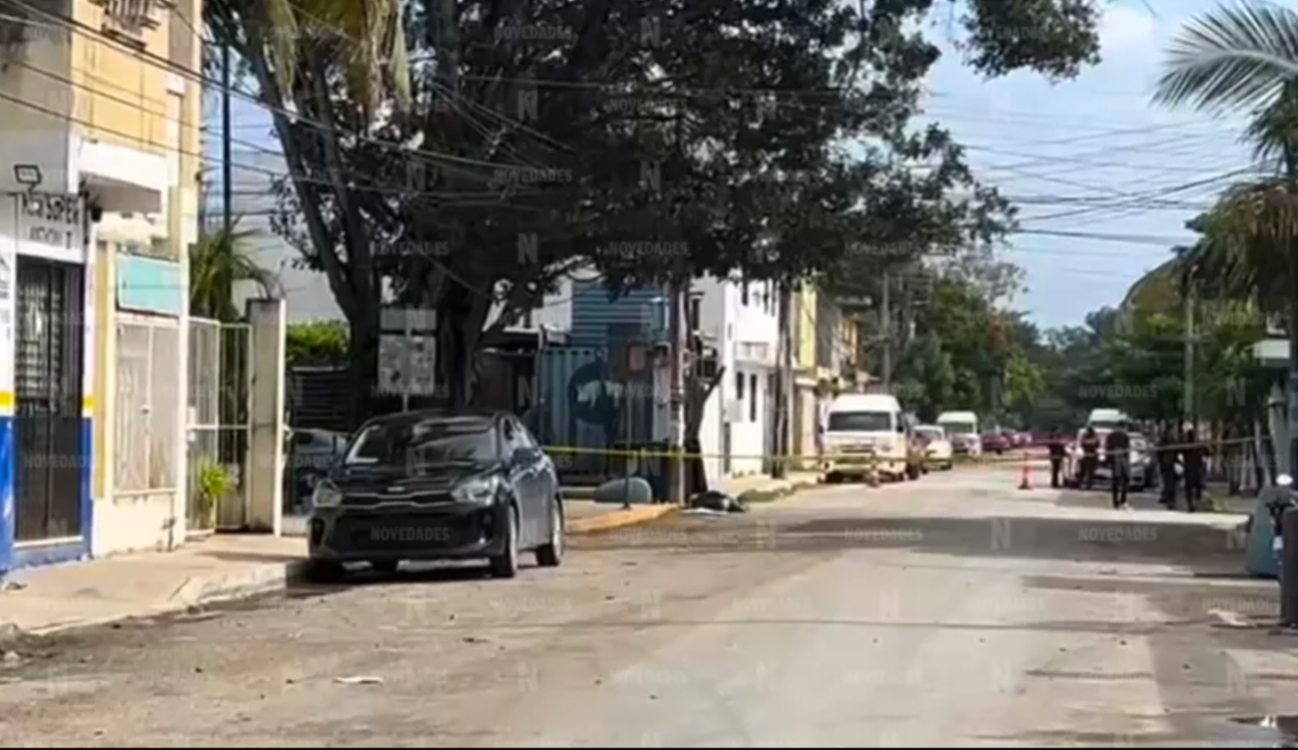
pixel 730 322
pixel 757 322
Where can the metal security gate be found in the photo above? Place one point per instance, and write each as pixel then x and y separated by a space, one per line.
pixel 48 367
pixel 219 426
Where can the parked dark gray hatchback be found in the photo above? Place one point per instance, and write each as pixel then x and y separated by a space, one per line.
pixel 436 485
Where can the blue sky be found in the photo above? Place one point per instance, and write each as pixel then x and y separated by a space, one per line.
pixel 1091 156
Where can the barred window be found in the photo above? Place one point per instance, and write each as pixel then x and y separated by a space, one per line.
pixel 148 360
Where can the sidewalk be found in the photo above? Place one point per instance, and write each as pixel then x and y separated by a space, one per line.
pixel 223 567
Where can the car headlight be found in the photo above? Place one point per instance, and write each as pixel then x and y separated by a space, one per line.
pixel 326 495
pixel 480 491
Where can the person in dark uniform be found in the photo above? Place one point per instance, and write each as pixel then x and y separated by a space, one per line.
pixel 1057 453
pixel 1117 446
pixel 1166 456
pixel 1194 460
pixel 1090 457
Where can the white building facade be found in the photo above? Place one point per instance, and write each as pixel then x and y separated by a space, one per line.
pixel 741 320
pixel 97 199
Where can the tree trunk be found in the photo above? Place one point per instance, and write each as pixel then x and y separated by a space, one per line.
pixel 362 368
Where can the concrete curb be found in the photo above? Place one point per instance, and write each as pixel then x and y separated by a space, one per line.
pixel 619 518
pixel 203 591
pixel 193 594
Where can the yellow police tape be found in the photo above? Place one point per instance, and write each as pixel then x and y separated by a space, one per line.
pixel 1012 455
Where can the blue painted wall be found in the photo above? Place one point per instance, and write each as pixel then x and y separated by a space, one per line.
pixel 593 312
pixel 6 493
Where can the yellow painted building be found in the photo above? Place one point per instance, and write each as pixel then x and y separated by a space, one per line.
pixel 107 113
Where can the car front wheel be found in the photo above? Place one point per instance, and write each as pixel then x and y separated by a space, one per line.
pixel 550 554
pixel 505 565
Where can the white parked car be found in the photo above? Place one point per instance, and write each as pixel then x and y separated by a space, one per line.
pixel 937 446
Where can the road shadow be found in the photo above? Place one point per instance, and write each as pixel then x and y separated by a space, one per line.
pixel 423 573
pixel 1210 551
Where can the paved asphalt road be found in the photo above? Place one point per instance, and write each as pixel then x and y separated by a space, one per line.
pixel 951 611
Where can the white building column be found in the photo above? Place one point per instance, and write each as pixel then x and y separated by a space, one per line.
pixel 268 319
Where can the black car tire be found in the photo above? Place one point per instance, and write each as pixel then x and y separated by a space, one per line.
pixel 913 473
pixel 325 571
pixel 387 567
pixel 505 565
pixel 550 554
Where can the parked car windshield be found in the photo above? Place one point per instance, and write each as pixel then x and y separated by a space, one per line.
pixel 958 428
pixel 931 433
pixel 860 421
pixel 424 442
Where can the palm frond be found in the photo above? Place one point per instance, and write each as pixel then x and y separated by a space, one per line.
pixel 1273 131
pixel 218 261
pixel 1232 57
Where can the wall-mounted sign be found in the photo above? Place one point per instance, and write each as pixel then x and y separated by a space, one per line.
pixel 53 219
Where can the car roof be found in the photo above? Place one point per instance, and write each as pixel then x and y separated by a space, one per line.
pixel 462 417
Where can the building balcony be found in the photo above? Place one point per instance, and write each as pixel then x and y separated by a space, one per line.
pixel 122 179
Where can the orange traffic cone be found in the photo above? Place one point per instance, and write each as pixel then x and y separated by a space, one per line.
pixel 1025 478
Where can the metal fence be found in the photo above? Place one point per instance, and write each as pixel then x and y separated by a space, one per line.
pixel 219 358
pixel 149 403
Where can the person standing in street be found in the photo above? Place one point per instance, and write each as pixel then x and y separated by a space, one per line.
pixel 1117 446
pixel 1166 456
pixel 1090 456
pixel 1194 460
pixel 1057 452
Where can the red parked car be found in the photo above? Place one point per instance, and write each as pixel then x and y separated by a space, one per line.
pixel 995 442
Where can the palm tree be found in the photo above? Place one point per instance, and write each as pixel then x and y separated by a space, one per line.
pixel 1245 58
pixel 219 260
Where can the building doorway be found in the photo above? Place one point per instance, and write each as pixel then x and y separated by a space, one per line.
pixel 49 451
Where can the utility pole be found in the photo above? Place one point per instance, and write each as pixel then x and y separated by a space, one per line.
pixel 885 329
pixel 783 382
pixel 679 293
pixel 227 170
pixel 1189 357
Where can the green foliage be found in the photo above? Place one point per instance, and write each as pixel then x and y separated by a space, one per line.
pixel 214 483
pixel 317 342
pixel 217 262
pixel 667 138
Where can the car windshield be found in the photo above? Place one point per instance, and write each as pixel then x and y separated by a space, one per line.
pixel 1101 425
pixel 929 433
pixel 424 442
pixel 860 421
pixel 959 428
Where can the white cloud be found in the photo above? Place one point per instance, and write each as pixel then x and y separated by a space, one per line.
pixel 1126 29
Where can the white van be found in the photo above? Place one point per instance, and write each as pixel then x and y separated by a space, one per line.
pixel 962 429
pixel 1106 420
pixel 865 429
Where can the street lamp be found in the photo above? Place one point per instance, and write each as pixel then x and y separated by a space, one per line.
pixel 28 175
